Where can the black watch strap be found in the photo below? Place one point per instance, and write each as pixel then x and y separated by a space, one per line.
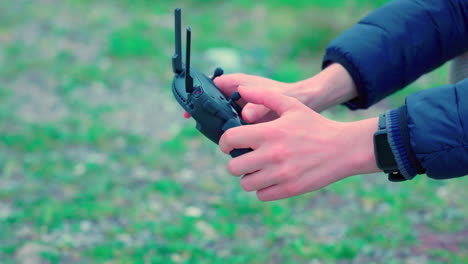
pixel 383 152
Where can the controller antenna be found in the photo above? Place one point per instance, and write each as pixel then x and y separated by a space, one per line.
pixel 177 57
pixel 188 78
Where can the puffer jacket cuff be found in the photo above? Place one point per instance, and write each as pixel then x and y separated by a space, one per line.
pixel 398 138
pixel 334 55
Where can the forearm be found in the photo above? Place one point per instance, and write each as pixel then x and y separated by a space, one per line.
pixel 397 43
pixel 330 87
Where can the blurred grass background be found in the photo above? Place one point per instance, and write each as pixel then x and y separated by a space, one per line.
pixel 97 164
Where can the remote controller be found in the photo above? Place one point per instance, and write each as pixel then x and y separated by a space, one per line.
pixel 213 112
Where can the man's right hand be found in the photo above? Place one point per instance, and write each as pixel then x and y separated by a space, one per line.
pixel 330 87
pixel 252 113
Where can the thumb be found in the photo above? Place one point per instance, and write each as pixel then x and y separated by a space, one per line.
pixel 253 112
pixel 272 100
pixel 228 83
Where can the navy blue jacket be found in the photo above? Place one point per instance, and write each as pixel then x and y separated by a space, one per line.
pixel 390 48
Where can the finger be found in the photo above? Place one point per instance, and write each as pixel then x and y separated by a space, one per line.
pixel 270 116
pixel 186 115
pixel 272 100
pixel 228 83
pixel 249 136
pixel 258 180
pixel 281 191
pixel 253 112
pixel 248 163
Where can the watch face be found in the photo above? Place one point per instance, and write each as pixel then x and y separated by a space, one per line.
pixel 383 153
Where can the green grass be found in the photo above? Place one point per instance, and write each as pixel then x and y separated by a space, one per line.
pixel 90 187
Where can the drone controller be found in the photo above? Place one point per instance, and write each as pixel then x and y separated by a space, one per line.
pixel 199 96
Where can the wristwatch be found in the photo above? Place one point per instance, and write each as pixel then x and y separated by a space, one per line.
pixel 383 152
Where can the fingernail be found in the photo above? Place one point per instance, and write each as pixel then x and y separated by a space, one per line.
pixel 248 114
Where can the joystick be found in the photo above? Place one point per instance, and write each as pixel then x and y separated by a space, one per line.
pixel 212 111
pixel 218 72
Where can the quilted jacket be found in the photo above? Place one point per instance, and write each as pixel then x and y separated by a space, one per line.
pixel 392 47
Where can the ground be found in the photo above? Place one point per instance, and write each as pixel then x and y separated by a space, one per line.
pixel 97 164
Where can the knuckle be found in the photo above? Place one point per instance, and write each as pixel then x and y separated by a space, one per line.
pixel 276 131
pixel 232 168
pixel 223 146
pixel 275 156
pixel 292 189
pixel 245 184
pixel 295 100
pixel 292 169
pixel 228 135
pixel 262 197
pixel 279 153
pixel 284 173
pixel 285 150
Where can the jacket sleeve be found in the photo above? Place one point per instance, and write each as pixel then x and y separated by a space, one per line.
pixel 397 43
pixel 391 48
pixel 432 129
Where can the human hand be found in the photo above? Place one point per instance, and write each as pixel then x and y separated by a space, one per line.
pixel 299 152
pixel 251 113
pixel 330 87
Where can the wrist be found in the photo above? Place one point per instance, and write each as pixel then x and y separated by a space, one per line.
pixel 360 159
pixel 330 87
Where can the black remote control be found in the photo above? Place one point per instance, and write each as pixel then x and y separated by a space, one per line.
pixel 199 96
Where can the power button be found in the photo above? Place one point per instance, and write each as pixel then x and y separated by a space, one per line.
pixel 198 91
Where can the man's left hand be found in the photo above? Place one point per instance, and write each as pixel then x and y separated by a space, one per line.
pixel 299 152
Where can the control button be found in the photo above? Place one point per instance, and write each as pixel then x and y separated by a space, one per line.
pixel 210 107
pixel 235 96
pixel 218 72
pixel 198 91
pixel 230 123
